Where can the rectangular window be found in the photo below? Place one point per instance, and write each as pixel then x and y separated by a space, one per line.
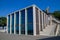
pixel 12 23
pixel 23 22
pixel 17 22
pixel 30 21
pixel 8 23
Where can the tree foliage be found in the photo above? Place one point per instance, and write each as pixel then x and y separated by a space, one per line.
pixel 56 14
pixel 3 21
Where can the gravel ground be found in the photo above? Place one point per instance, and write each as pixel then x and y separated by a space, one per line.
pixel 5 36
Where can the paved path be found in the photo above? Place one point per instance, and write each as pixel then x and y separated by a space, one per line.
pixel 5 36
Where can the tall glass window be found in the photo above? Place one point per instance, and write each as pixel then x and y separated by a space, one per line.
pixel 30 21
pixel 12 23
pixel 17 22
pixel 8 23
pixel 23 22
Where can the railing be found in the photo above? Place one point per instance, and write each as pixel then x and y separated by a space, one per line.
pixel 56 31
pixel 53 18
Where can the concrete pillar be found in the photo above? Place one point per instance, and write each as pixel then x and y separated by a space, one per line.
pixel 50 20
pixel 14 23
pixel 19 23
pixel 26 22
pixel 42 20
pixel 39 20
pixel 34 21
pixel 57 30
pixel 10 23
pixel 45 20
pixel 7 24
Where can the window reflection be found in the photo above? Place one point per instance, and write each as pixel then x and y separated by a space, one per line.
pixel 12 23
pixel 17 22
pixel 8 23
pixel 30 21
pixel 23 22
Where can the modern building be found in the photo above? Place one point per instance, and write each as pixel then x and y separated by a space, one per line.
pixel 28 21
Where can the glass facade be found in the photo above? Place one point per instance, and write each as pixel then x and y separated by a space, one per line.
pixel 23 22
pixel 17 22
pixel 30 21
pixel 22 26
pixel 12 23
pixel 8 23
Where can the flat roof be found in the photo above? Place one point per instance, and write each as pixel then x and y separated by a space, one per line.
pixel 26 8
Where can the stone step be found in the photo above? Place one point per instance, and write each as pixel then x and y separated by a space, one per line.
pixel 47 30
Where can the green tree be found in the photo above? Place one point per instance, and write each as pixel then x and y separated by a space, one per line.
pixel 56 14
pixel 3 21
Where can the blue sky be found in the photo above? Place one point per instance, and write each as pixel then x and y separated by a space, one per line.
pixel 9 6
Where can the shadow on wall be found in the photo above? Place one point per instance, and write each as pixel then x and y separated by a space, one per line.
pixel 51 38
